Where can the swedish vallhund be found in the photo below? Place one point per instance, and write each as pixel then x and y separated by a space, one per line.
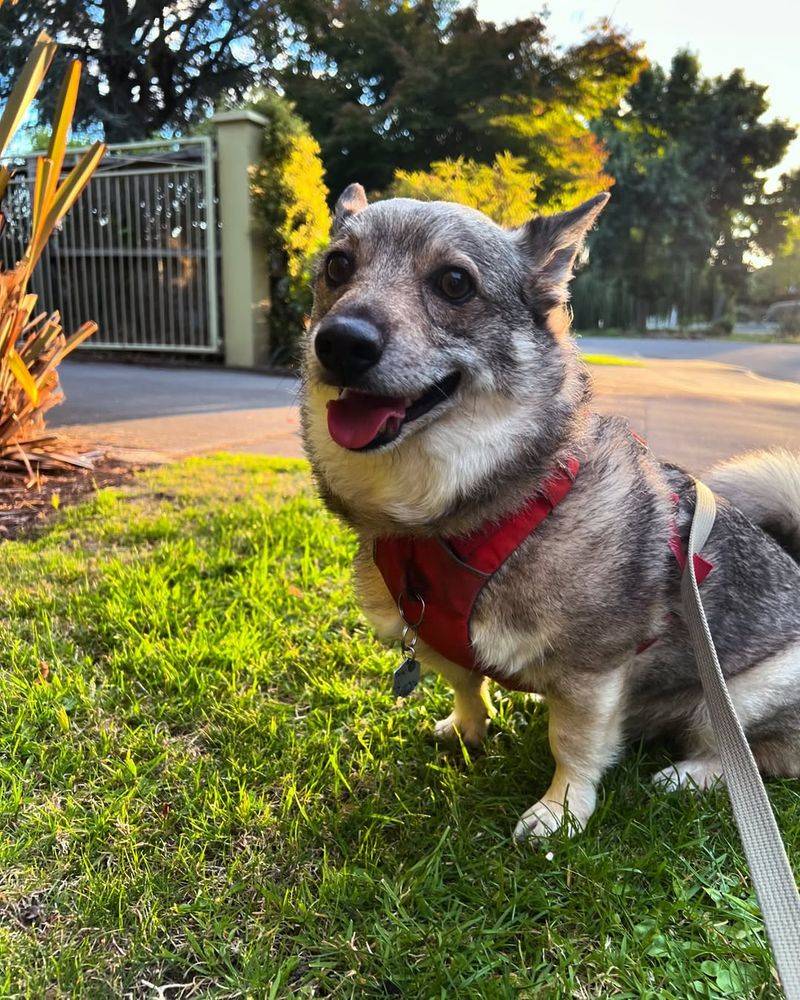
pixel 517 535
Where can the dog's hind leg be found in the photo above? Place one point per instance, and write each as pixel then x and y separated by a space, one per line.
pixel 585 733
pixel 779 756
pixel 699 773
pixel 766 697
pixel 472 706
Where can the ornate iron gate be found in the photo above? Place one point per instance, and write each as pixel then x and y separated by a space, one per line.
pixel 138 252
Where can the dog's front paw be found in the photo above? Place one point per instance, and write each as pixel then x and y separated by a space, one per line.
pixel 698 775
pixel 471 731
pixel 549 815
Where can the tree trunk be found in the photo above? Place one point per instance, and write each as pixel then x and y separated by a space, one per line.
pixel 641 311
pixel 720 302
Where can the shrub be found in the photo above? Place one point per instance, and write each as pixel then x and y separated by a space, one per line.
pixel 33 344
pixel 720 328
pixel 504 190
pixel 290 199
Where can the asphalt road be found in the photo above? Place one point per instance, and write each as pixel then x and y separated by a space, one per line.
pixel 781 361
pixel 696 413
pixel 691 412
pixel 100 392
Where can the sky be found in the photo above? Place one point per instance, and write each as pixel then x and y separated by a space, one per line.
pixel 763 38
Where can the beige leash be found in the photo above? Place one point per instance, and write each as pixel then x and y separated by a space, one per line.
pixel 770 870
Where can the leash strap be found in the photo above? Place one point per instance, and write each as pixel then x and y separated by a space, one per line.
pixel 770 870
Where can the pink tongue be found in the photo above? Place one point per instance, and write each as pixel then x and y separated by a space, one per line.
pixel 356 418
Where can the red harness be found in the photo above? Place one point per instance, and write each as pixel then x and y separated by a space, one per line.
pixel 448 574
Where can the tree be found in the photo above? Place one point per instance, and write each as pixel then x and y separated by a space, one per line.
pixel 780 280
pixel 386 85
pixel 505 191
pixel 151 65
pixel 690 207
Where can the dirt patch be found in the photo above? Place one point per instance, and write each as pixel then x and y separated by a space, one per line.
pixel 25 510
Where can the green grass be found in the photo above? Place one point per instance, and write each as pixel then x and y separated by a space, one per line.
pixel 611 359
pixel 206 782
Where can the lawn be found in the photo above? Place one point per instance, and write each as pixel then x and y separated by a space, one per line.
pixel 611 359
pixel 206 783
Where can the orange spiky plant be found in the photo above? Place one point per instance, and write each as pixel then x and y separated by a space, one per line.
pixel 33 344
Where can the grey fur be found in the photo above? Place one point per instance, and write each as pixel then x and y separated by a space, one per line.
pixel 765 485
pixel 597 578
pixel 351 201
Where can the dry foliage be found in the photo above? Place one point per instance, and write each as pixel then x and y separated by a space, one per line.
pixel 33 344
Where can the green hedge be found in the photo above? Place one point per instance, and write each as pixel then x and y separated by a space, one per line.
pixel 290 198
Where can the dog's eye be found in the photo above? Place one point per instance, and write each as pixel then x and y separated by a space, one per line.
pixel 455 284
pixel 338 268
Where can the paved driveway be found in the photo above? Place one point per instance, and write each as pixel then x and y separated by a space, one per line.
pixel 178 411
pixel 692 412
pixel 102 392
pixel 698 412
pixel 781 361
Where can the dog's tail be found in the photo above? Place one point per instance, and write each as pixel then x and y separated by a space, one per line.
pixel 764 485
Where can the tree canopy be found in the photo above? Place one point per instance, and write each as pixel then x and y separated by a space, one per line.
pixel 504 190
pixel 691 205
pixel 151 65
pixel 780 279
pixel 423 97
pixel 387 86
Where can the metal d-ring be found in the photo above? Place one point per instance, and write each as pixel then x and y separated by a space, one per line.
pixel 412 625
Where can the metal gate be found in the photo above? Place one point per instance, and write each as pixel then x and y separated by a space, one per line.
pixel 137 252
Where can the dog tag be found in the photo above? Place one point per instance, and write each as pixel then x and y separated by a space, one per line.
pixel 406 678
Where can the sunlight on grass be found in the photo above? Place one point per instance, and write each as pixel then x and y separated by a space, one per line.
pixel 611 359
pixel 205 781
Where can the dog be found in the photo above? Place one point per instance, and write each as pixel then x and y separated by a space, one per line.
pixel 442 400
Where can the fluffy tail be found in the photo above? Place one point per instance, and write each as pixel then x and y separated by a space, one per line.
pixel 764 485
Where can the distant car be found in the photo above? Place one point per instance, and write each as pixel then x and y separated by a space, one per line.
pixel 785 314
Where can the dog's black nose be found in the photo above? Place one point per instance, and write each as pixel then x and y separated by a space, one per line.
pixel 348 346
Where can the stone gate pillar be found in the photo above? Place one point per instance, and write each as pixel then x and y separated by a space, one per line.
pixel 245 270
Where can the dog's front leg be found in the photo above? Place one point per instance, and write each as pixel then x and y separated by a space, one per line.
pixel 472 706
pixel 585 733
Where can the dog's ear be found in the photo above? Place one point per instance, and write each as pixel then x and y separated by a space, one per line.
pixel 351 201
pixel 552 242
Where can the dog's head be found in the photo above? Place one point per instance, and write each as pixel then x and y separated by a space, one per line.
pixel 438 344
